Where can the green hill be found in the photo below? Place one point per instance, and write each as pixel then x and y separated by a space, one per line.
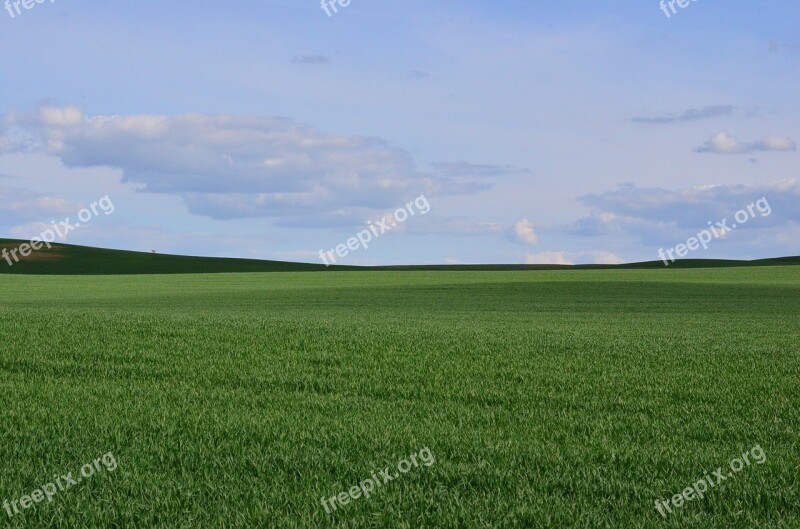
pixel 67 259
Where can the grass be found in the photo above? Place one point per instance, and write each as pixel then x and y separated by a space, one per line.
pixel 549 398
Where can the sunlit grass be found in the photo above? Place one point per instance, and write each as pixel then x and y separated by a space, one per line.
pixel 550 399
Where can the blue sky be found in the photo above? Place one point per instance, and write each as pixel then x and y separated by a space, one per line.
pixel 539 132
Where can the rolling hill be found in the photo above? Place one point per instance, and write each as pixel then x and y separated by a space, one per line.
pixel 67 259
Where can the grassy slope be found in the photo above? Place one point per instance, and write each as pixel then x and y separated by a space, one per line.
pixel 64 259
pixel 549 399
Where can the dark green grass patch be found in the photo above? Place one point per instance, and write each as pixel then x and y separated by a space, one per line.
pixel 68 259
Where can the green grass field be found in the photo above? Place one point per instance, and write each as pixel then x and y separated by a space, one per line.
pixel 548 398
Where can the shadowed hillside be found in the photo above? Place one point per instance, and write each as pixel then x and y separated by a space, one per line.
pixel 66 259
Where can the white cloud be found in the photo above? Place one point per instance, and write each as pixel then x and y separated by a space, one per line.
pixel 602 257
pixel 524 232
pixel 54 116
pixel 228 167
pixel 26 205
pixel 777 143
pixel 599 257
pixel 557 258
pixel 696 206
pixel 724 143
pixel 660 217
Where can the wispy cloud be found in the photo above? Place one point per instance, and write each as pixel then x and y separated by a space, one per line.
pixel 456 226
pixel 693 114
pixel 777 46
pixel 464 169
pixel 655 214
pixel 22 205
pixel 568 258
pixel 310 59
pixel 550 258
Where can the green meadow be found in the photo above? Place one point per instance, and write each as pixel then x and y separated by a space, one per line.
pixel 572 398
